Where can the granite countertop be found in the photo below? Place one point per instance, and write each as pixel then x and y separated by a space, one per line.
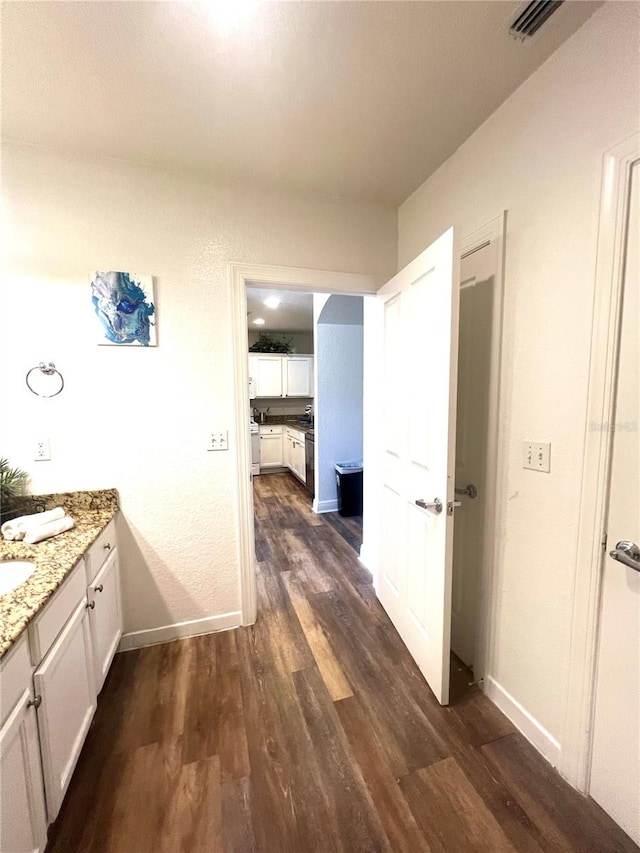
pixel 54 558
pixel 274 420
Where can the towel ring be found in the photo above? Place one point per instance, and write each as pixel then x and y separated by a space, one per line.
pixel 40 382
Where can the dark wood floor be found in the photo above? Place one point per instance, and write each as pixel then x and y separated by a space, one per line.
pixel 312 730
pixel 350 528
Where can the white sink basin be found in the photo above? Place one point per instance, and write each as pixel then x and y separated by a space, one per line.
pixel 13 573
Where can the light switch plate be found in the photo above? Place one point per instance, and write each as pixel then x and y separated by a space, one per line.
pixel 219 440
pixel 536 456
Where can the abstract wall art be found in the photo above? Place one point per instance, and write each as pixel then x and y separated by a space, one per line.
pixel 124 304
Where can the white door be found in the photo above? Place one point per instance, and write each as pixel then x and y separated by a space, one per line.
pixel 417 456
pixel 615 769
pixel 477 297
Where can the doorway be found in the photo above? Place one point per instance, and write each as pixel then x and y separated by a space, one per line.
pixel 477 402
pixel 242 276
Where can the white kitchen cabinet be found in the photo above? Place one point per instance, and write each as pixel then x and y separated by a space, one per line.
pixel 295 454
pixel 23 821
pixel 265 375
pixel 64 686
pixel 288 450
pixel 271 447
pixel 297 376
pixel 280 376
pixel 105 620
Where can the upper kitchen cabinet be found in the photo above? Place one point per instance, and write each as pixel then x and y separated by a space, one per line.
pixel 297 376
pixel 280 375
pixel 265 375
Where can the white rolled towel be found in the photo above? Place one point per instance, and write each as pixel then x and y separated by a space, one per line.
pixel 46 531
pixel 15 528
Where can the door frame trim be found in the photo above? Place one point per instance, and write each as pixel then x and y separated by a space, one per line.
pixel 240 275
pixel 494 230
pixel 585 592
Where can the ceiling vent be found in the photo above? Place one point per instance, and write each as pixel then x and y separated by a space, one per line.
pixel 533 17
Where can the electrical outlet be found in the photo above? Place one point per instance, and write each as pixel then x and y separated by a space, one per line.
pixel 219 440
pixel 536 456
pixel 42 450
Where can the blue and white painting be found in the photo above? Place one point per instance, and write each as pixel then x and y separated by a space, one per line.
pixel 124 304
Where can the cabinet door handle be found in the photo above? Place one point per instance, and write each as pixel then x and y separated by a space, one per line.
pixel 35 702
pixel 98 588
pixel 107 547
pixel 90 604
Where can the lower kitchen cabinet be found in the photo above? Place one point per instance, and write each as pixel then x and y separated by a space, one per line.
pixel 271 447
pixel 295 453
pixel 64 684
pixel 23 821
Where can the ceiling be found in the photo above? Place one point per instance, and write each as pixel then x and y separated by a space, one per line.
pixel 293 314
pixel 362 100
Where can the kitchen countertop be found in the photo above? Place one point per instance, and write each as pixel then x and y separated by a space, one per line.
pixel 291 424
pixel 54 558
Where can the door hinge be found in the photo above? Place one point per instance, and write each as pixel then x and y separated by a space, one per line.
pixel 603 542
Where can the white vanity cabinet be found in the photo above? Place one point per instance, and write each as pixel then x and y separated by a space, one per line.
pixel 64 684
pixel 23 821
pixel 271 447
pixel 103 602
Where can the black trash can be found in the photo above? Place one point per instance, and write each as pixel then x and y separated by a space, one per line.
pixel 349 483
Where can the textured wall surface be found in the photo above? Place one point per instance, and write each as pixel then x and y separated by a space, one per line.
pixel 339 363
pixel 136 418
pixel 540 157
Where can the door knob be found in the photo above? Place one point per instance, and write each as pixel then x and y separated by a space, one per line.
pixel 470 490
pixel 628 553
pixel 435 505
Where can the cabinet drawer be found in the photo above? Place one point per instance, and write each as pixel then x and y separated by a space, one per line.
pixel 100 550
pixel 273 430
pixel 47 625
pixel 15 674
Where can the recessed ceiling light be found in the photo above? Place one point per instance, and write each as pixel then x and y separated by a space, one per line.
pixel 259 321
pixel 272 302
pixel 229 15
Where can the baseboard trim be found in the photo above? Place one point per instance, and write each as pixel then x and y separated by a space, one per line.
pixel 534 732
pixel 180 630
pixel 325 506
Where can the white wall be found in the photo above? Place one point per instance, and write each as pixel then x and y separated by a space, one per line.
pixel 339 365
pixel 539 156
pixel 136 418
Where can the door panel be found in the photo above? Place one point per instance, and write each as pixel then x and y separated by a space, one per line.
pixel 615 771
pixel 417 455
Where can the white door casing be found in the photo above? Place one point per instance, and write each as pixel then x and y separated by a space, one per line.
pixel 419 341
pixel 615 767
